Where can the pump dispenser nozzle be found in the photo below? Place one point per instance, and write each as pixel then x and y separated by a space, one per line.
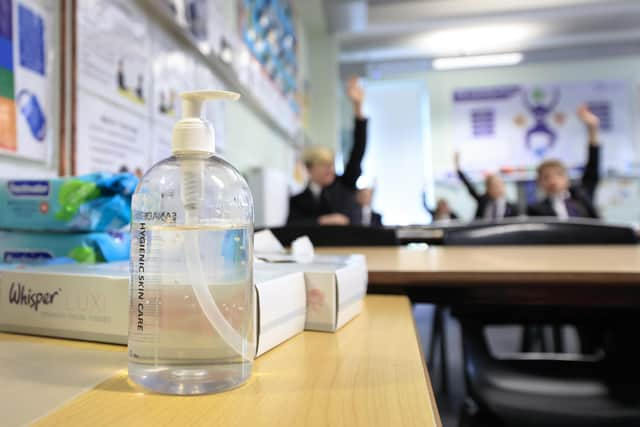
pixel 192 133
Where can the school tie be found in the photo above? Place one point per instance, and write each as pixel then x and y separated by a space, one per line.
pixel 572 208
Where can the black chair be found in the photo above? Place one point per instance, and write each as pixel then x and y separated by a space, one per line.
pixel 549 390
pixel 544 389
pixel 540 231
pixel 331 235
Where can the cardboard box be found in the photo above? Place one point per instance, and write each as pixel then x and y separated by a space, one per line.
pixel 91 302
pixel 281 303
pixel 336 286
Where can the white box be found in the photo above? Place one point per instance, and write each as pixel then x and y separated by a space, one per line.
pixel 281 303
pixel 91 302
pixel 87 302
pixel 336 286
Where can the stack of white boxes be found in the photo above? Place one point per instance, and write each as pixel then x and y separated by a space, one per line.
pixel 91 302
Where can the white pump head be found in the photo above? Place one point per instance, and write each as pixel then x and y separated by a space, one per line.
pixel 192 133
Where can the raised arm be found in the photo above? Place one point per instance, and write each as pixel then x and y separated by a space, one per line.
pixel 465 180
pixel 353 168
pixel 591 174
pixel 425 204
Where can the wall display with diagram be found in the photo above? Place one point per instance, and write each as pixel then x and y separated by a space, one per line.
pixel 29 61
pixel 130 72
pixel 512 128
pixel 113 51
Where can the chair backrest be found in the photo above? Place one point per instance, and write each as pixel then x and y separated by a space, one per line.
pixel 337 235
pixel 541 231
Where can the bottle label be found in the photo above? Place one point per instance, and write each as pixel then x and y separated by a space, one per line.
pixel 141 237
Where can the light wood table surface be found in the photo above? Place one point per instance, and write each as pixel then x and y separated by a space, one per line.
pixel 370 373
pixel 573 275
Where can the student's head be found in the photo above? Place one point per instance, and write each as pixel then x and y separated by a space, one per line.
pixel 552 177
pixel 319 161
pixel 442 206
pixel 495 186
pixel 364 196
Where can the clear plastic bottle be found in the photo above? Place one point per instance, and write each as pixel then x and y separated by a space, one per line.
pixel 192 303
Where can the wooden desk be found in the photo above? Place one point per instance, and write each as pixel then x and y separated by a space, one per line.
pixel 370 373
pixel 562 275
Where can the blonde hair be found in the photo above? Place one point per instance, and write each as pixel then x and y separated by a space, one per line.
pixel 551 164
pixel 317 154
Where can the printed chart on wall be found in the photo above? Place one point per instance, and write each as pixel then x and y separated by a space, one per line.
pixel 513 128
pixel 27 78
pixel 113 87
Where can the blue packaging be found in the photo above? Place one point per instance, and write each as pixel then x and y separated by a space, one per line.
pixel 45 248
pixel 95 202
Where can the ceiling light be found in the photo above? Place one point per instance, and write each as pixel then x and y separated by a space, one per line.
pixel 478 40
pixel 500 60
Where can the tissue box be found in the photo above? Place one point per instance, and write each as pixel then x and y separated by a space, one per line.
pixel 32 248
pixel 91 302
pixel 87 302
pixel 335 285
pixel 281 307
pixel 96 202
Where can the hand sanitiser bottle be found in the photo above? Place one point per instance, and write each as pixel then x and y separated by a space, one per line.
pixel 192 302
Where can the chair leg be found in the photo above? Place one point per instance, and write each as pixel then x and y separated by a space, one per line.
pixel 435 336
pixel 471 415
pixel 540 337
pixel 558 342
pixel 527 338
pixel 444 366
pixel 438 339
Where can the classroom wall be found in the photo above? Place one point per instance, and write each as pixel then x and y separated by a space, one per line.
pixel 249 142
pixel 324 84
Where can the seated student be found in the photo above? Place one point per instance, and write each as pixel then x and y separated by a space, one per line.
pixel 370 218
pixel 330 199
pixel 492 204
pixel 562 199
pixel 442 212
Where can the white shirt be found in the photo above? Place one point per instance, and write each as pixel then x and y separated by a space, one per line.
pixel 366 215
pixel 316 190
pixel 500 209
pixel 558 204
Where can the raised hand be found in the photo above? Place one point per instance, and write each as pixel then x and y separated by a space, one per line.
pixel 356 95
pixel 587 117
pixel 591 121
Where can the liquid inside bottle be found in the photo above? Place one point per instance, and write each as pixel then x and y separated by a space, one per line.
pixel 173 346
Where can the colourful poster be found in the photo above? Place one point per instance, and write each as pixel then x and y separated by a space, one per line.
pixel 7 104
pixel 26 113
pixel 512 128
